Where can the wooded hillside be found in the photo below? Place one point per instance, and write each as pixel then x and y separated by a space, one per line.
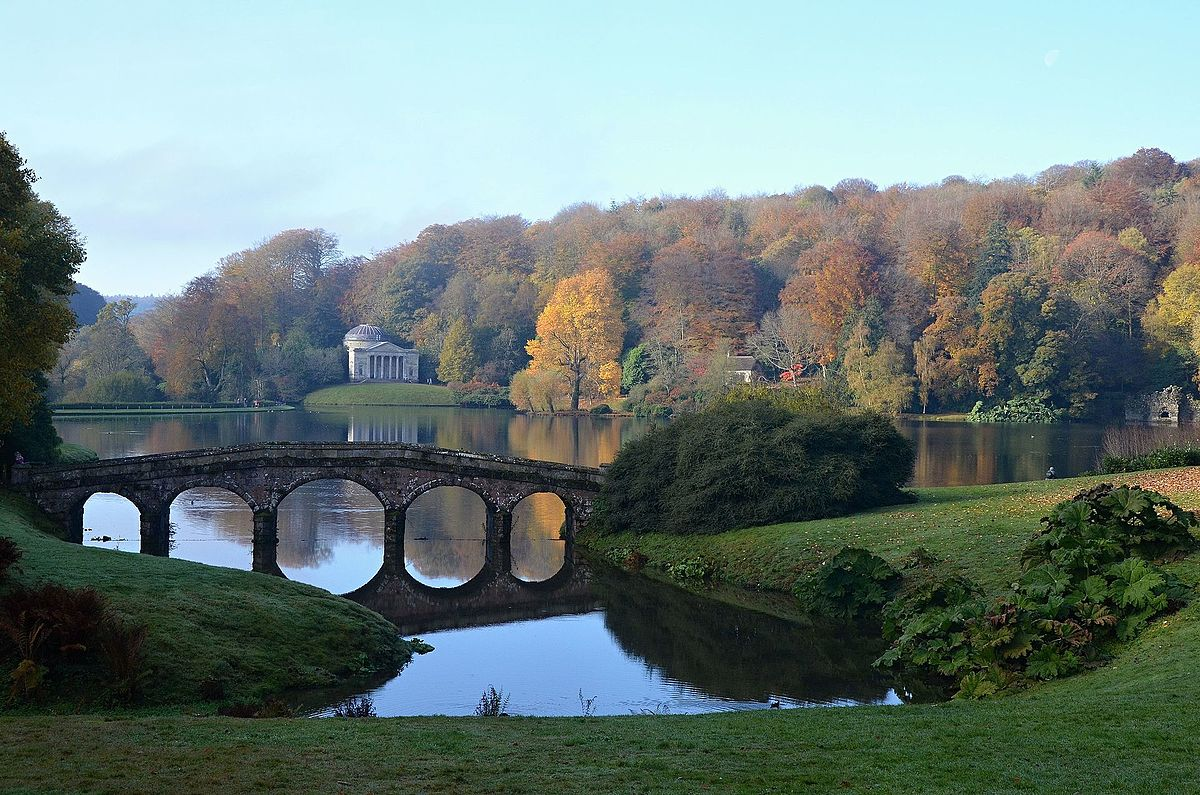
pixel 1073 288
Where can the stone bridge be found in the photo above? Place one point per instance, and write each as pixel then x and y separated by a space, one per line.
pixel 263 474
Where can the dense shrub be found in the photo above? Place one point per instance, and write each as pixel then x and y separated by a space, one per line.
pixel 1088 578
pixel 754 459
pixel 476 394
pixel 603 408
pixel 355 707
pixel 1018 409
pixel 122 386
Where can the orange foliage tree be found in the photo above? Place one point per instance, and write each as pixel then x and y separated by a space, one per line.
pixel 579 332
pixel 840 277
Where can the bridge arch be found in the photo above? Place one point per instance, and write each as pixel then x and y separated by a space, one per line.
pixel 282 490
pixel 234 488
pixel 110 523
pixel 412 494
pixel 202 514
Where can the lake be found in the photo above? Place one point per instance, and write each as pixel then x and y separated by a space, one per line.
pixel 639 646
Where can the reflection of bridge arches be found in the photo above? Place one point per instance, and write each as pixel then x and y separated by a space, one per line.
pixel 445 536
pixel 304 518
pixel 538 539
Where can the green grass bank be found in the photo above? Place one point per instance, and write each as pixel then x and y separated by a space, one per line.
pixel 258 635
pixel 978 530
pixel 381 395
pixel 164 409
pixel 1131 726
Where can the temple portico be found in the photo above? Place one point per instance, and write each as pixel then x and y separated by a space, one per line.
pixel 372 358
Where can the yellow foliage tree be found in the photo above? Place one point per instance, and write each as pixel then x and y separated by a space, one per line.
pixel 579 332
pixel 1173 316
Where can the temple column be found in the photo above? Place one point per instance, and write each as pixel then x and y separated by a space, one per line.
pixel 156 531
pixel 266 542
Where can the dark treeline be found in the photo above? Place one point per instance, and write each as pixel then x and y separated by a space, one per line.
pixel 1072 288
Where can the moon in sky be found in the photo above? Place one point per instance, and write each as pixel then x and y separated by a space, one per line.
pixel 1051 57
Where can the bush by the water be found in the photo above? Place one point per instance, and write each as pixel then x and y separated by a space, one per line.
pixel 1130 448
pixel 479 395
pixel 757 457
pixel 852 585
pixel 1018 409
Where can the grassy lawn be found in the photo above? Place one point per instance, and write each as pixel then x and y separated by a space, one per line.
pixel 381 395
pixel 1131 726
pixel 258 634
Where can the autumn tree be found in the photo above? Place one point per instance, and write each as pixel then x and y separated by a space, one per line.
pixel 877 375
pixel 836 279
pixel 787 340
pixel 114 365
pixel 579 331
pixel 1173 316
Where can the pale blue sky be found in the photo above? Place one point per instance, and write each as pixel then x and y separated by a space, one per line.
pixel 174 133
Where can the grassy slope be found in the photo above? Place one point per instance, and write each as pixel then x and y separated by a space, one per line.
pixel 381 395
pixel 263 634
pixel 1129 727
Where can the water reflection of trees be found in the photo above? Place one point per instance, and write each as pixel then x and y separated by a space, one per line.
pixel 211 513
pixel 318 515
pixel 735 653
pixel 444 530
pixel 537 545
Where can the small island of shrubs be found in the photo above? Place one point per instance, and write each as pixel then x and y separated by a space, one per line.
pixel 755 457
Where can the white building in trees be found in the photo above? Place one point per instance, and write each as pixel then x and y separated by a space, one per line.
pixel 372 358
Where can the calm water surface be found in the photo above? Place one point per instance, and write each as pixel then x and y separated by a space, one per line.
pixel 642 646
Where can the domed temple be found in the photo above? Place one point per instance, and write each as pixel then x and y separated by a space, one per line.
pixel 373 358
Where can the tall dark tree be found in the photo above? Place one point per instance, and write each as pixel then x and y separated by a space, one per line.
pixel 39 254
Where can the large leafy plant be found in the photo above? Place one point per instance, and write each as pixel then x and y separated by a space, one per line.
pixel 1089 576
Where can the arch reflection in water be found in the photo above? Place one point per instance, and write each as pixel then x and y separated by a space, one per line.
pixel 445 531
pixel 331 535
pixel 538 548
pixel 112 517
pixel 213 526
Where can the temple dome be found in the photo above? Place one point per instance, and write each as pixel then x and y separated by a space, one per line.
pixel 364 333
